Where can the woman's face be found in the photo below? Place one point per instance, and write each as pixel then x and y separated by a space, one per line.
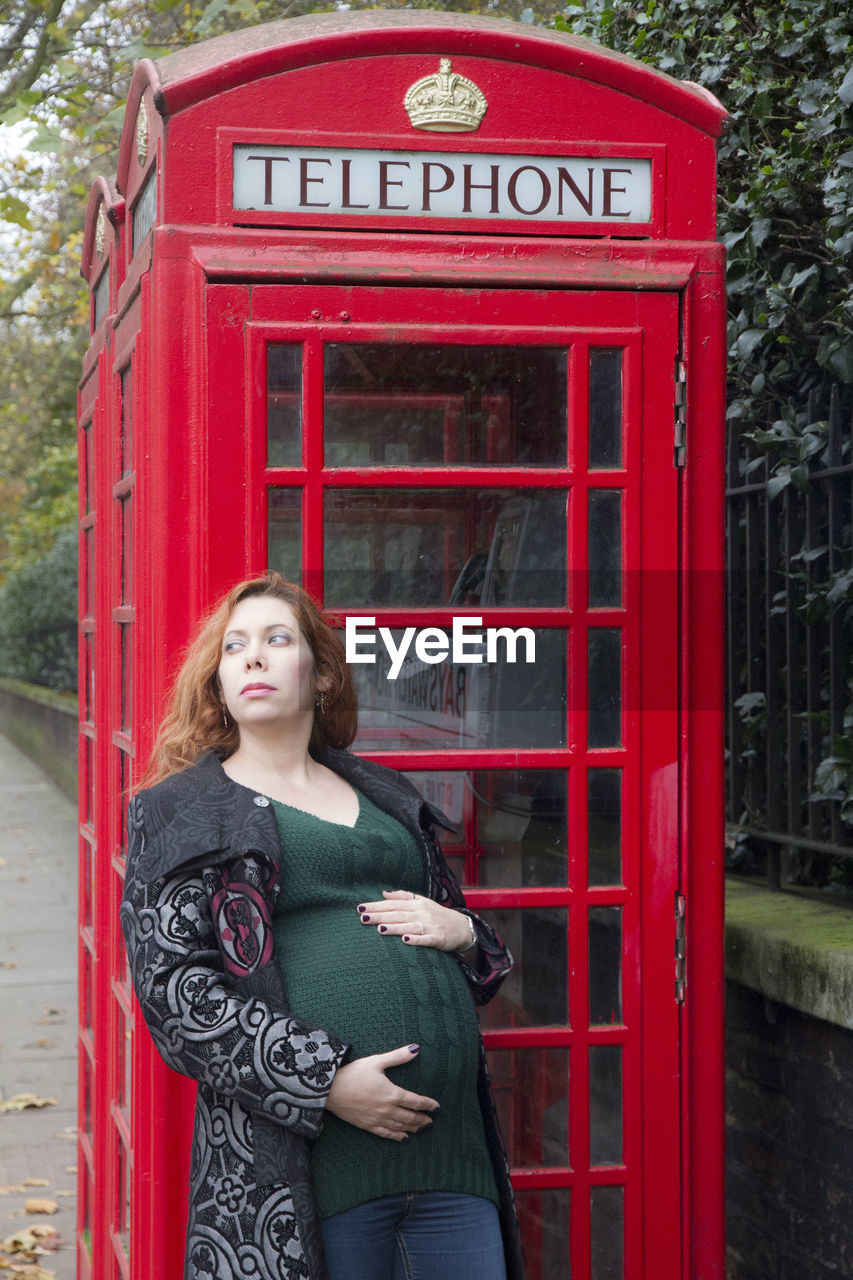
pixel 266 671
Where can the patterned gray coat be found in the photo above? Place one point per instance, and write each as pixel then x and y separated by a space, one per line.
pixel 203 873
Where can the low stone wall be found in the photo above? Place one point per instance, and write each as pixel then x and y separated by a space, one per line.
pixel 44 725
pixel 789 1090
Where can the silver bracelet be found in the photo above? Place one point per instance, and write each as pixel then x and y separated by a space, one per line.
pixel 460 951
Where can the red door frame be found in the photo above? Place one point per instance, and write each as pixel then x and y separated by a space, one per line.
pixel 174 475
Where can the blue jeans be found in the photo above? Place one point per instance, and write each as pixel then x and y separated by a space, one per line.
pixel 421 1235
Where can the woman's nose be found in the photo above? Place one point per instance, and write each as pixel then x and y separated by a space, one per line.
pixel 253 658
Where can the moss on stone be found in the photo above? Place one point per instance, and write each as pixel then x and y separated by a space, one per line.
pixel 795 950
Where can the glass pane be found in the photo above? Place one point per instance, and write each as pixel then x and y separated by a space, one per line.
pixel 285 533
pixel 604 825
pixel 536 992
pixel 605 1104
pixel 89 595
pixel 607 1231
pixel 512 823
pixel 543 1217
pixel 605 966
pixel 605 407
pixel 126 678
pixel 605 548
pixel 144 211
pixel 88 676
pixel 410 405
pixel 101 295
pixel 86 465
pixel 86 855
pixel 407 701
pixel 284 404
pixel 88 765
pixel 445 546
pixel 127 1058
pixel 127 420
pixel 531 1091
pixel 126 552
pixel 605 687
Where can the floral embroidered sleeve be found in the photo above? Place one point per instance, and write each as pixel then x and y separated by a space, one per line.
pixel 207 1022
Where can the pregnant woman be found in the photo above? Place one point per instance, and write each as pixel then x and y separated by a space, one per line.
pixel 299 946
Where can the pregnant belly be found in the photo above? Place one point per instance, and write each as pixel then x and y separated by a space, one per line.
pixel 380 994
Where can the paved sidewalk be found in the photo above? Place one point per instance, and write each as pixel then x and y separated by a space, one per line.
pixel 38 1000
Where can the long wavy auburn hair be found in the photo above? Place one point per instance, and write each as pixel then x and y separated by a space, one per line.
pixel 194 722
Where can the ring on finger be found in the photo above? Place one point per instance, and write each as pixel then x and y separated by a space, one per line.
pixel 421 928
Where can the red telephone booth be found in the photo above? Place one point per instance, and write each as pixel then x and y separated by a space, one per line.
pixel 412 307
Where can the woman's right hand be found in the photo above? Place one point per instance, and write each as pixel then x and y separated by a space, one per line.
pixel 362 1094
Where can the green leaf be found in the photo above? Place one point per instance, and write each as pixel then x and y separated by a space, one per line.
pixel 14 210
pixel 845 93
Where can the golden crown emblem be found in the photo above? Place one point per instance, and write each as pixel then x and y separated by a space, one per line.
pixel 445 102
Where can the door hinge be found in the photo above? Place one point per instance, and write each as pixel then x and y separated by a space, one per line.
pixel 680 429
pixel 680 947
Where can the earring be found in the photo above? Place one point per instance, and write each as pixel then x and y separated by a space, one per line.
pixel 320 702
pixel 225 721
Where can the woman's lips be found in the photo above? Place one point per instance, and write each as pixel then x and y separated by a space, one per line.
pixel 256 690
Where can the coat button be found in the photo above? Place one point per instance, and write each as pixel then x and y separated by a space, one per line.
pixel 262 801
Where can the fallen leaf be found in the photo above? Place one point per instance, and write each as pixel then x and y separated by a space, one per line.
pixel 36 1182
pixel 24 1271
pixel 43 1042
pixel 24 879
pixel 71 1168
pixel 4 862
pixel 22 1100
pixel 8 964
pixel 35 1205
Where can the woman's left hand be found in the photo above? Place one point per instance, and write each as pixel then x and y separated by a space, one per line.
pixel 419 921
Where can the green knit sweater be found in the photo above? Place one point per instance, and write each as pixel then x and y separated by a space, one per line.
pixel 380 994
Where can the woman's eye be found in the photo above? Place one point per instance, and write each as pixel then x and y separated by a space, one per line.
pixel 231 646
pixel 279 637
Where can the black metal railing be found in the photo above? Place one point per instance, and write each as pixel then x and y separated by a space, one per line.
pixel 790 660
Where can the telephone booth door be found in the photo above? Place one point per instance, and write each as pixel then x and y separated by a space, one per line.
pixel 504 457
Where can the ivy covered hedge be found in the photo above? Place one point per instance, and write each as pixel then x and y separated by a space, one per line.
pixel 784 71
pixel 38 618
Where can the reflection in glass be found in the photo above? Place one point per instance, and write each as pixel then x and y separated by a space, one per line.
pixel 531 1091
pixel 605 407
pixel 605 687
pixel 607 1232
pixel 605 548
pixel 86 464
pixel 536 992
pixel 412 404
pixel 544 1221
pixel 514 821
pixel 126 551
pixel 605 1104
pixel 605 966
pixel 498 703
pixel 445 546
pixel 284 404
pixel 126 432
pixel 604 826
pixel 285 532
pixel 89 559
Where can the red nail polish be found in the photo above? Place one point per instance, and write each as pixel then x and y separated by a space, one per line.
pixel 365 919
pixel 383 928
